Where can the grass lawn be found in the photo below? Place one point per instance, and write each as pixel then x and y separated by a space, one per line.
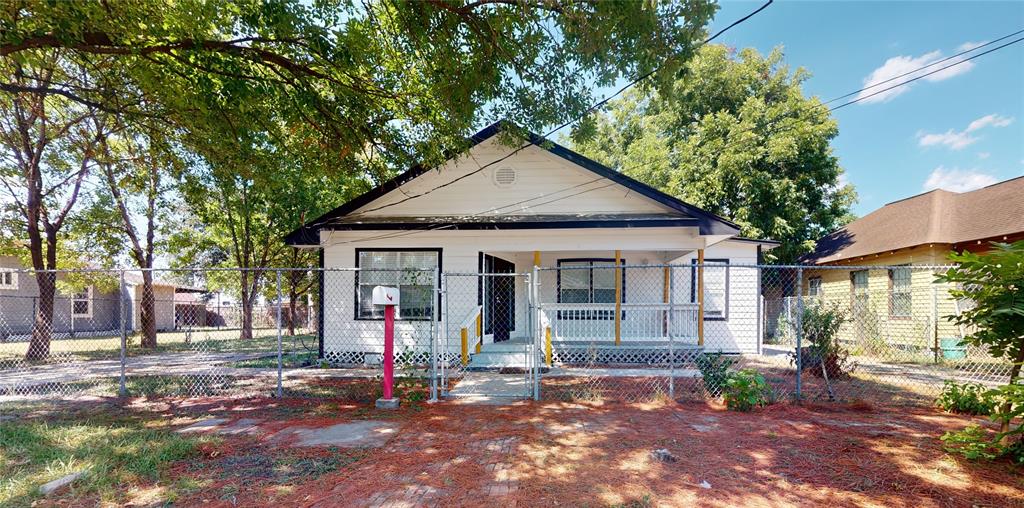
pixel 117 448
pixel 12 354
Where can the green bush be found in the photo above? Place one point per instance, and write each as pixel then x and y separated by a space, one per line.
pixel 714 370
pixel 967 398
pixel 974 442
pixel 746 389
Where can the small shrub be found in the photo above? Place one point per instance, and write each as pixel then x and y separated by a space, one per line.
pixel 746 389
pixel 714 370
pixel 967 398
pixel 973 442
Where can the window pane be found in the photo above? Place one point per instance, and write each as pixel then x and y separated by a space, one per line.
pixel 604 278
pixel 900 278
pixel 604 295
pixel 575 295
pixel 415 301
pixel 418 260
pixel 366 309
pixel 576 278
pixel 901 304
pixel 81 306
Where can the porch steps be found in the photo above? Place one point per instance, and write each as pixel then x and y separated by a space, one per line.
pixel 491 360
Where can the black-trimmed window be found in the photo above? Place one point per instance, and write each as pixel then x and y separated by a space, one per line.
pixel 716 288
pixel 588 281
pixel 900 299
pixel 410 270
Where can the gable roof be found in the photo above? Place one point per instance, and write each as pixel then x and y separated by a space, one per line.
pixel 937 216
pixel 708 223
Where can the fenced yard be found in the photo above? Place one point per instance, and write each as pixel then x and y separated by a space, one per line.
pixel 227 451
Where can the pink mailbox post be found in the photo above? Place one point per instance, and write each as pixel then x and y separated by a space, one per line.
pixel 388 297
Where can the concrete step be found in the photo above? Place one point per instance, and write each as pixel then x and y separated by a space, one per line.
pixel 497 359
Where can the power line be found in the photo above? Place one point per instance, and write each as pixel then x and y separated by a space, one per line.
pixel 937 62
pixel 773 121
pixel 586 112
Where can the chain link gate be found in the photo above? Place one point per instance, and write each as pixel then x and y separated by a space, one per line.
pixel 486 348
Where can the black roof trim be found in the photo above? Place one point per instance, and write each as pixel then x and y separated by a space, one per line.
pixel 709 223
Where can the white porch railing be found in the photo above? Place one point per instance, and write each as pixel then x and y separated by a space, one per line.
pixel 640 323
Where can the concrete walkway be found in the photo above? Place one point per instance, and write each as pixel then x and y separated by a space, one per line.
pixel 491 388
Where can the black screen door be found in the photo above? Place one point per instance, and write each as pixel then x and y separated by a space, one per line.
pixel 500 295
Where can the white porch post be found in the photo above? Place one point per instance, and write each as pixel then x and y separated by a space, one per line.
pixel 700 297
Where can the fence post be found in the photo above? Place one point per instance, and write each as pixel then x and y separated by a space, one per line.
pixel 538 326
pixel 280 358
pixel 799 330
pixel 122 390
pixel 935 323
pixel 671 335
pixel 434 331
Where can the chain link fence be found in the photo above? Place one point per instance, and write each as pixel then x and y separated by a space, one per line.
pixel 585 330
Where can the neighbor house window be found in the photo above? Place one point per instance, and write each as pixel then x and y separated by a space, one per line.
pixel 588 281
pixel 81 303
pixel 716 288
pixel 900 291
pixel 411 271
pixel 859 289
pixel 8 279
pixel 814 287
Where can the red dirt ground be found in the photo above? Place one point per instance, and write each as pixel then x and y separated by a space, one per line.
pixel 594 454
pixel 589 454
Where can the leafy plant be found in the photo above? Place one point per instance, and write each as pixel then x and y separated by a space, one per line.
pixel 993 281
pixel 746 389
pixel 967 398
pixel 823 355
pixel 714 370
pixel 974 442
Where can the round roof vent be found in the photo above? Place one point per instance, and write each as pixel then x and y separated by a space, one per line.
pixel 504 177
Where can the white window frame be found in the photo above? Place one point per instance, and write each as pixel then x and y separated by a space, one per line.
pixel 8 279
pixel 814 287
pixel 75 298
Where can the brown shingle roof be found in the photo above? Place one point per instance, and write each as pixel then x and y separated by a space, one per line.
pixel 938 216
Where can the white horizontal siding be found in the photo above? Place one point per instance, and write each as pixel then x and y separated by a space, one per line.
pixel 539 174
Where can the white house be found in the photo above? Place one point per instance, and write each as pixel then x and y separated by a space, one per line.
pixel 496 209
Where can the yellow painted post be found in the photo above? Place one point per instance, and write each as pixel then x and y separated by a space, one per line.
pixel 479 332
pixel 664 297
pixel 465 347
pixel 618 297
pixel 548 354
pixel 536 258
pixel 700 297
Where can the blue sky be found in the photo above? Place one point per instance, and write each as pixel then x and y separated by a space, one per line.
pixel 902 144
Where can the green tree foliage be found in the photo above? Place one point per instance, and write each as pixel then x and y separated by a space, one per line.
pixel 994 283
pixel 736 136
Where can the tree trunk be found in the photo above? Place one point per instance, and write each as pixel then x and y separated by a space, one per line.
pixel 1004 427
pixel 148 311
pixel 42 330
pixel 246 328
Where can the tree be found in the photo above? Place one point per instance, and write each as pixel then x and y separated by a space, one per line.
pixel 48 146
pixel 136 168
pixel 736 136
pixel 402 80
pixel 994 283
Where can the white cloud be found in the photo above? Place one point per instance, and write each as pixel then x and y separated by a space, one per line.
pixel 958 140
pixel 989 120
pixel 967 46
pixel 957 180
pixel 899 65
pixel 984 155
pixel 950 138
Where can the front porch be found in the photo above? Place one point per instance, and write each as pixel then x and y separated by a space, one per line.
pixel 632 308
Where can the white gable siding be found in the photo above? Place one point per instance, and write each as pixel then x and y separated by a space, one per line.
pixel 539 174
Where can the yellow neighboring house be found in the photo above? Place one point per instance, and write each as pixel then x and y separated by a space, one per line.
pixel 898 306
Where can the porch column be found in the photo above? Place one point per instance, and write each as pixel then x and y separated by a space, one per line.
pixel 700 297
pixel 618 297
pixel 536 258
pixel 664 289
